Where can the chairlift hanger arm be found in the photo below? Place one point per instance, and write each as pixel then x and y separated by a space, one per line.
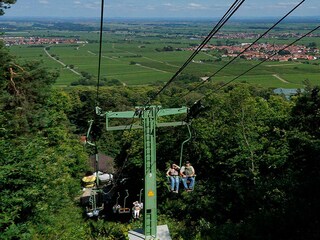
pixel 88 133
pixel 184 142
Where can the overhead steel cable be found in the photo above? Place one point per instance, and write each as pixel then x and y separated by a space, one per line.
pixel 239 54
pixel 222 21
pixel 94 144
pixel 235 6
pixel 100 51
pixel 98 80
pixel 96 101
pixel 245 72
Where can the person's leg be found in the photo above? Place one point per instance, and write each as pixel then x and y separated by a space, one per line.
pixel 172 181
pixel 184 181
pixel 191 185
pixel 177 179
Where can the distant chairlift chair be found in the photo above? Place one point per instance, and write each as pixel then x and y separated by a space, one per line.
pixel 123 209
pixel 95 199
pixel 117 208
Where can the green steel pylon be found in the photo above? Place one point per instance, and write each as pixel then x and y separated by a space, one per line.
pixel 149 121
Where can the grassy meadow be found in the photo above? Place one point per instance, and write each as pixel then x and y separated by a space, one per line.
pixel 130 53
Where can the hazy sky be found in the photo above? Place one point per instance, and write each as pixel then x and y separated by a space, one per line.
pixel 159 8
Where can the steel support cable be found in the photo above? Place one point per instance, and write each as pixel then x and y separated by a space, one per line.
pixel 100 51
pixel 98 85
pixel 222 21
pixel 213 32
pixel 97 92
pixel 98 80
pixel 245 72
pixel 216 90
pixel 235 6
pixel 238 55
pixel 99 70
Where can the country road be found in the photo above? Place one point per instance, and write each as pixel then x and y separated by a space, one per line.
pixel 58 61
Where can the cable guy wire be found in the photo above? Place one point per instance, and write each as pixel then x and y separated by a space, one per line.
pixel 235 6
pixel 248 47
pixel 303 36
pixel 100 50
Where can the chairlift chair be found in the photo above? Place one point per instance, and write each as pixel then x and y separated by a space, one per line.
pixel 123 209
pixel 95 198
pixel 181 151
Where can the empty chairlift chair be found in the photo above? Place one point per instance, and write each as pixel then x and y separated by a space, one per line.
pixel 124 209
pixel 117 208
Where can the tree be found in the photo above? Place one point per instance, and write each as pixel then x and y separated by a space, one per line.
pixel 5 4
pixel 312 45
pixel 238 148
pixel 298 217
pixel 41 160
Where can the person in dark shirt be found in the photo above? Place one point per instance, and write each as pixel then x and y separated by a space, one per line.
pixel 187 176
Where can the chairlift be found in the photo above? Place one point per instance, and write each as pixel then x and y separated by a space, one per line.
pixel 181 149
pixel 188 123
pixel 117 208
pixel 124 209
pixel 95 203
pixel 140 202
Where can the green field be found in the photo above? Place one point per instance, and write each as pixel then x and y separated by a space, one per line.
pixel 131 56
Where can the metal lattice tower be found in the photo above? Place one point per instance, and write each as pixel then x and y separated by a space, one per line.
pixel 149 121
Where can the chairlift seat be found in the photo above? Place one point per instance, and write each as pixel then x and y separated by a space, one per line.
pixel 123 210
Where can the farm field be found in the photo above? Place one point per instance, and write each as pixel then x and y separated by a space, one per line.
pixel 135 54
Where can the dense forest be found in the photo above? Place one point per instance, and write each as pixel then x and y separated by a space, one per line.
pixel 256 156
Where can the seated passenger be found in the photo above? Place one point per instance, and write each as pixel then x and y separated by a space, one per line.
pixel 104 177
pixel 173 173
pixel 187 173
pixel 136 209
pixel 88 180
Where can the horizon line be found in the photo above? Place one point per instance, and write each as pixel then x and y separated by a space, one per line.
pixel 160 18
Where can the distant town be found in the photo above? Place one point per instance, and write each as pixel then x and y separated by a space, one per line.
pixel 264 50
pixel 233 48
pixel 10 41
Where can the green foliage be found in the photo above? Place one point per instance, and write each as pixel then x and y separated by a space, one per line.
pixel 41 159
pixel 242 153
pixel 108 230
pixel 255 155
pixel 5 4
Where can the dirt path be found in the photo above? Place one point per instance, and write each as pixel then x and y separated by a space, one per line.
pixel 92 53
pixel 280 78
pixel 280 65
pixel 155 69
pixel 62 63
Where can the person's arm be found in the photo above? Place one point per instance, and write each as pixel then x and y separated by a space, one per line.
pixel 176 166
pixel 182 172
pixel 193 172
pixel 168 172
